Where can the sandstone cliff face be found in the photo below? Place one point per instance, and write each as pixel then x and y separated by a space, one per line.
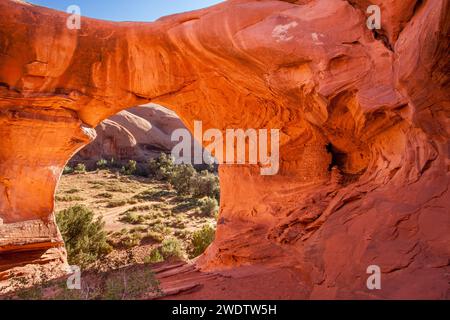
pixel 375 105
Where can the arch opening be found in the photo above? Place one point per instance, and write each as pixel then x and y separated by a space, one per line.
pixel 153 209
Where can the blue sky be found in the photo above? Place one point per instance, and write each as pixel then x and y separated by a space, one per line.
pixel 127 10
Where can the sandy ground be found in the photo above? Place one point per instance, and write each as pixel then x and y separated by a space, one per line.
pixel 155 206
pixel 90 189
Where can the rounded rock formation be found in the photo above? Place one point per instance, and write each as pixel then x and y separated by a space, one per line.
pixel 139 133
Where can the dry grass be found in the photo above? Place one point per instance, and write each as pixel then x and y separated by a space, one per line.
pixel 139 213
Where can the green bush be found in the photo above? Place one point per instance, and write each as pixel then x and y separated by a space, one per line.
pixel 155 236
pixel 84 237
pixel 162 167
pixel 116 203
pixel 171 248
pixel 130 168
pixel 131 240
pixel 159 227
pixel 205 184
pixel 181 179
pixel 102 164
pixel 68 198
pixel 68 170
pixel 80 168
pixel 184 178
pixel 132 218
pixel 201 239
pixel 208 207
pixel 154 257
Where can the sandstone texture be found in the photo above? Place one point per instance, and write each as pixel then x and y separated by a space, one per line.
pixel 363 116
pixel 139 133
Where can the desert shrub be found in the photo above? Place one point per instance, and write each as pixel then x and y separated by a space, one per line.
pixel 23 289
pixel 130 168
pixel 132 218
pixel 201 239
pixel 97 183
pixel 185 204
pixel 152 195
pixel 68 170
pixel 184 178
pixel 205 184
pixel 154 257
pixel 130 285
pixel 162 167
pixel 178 223
pixel 125 284
pixel 140 208
pixel 181 179
pixel 131 240
pixel 156 222
pixel 116 203
pixel 208 207
pixel 104 195
pixel 84 237
pixel 171 248
pixel 68 198
pixel 155 236
pixel 159 227
pixel 183 234
pixel 80 168
pixel 117 188
pixel 139 229
pixel 72 191
pixel 142 170
pixel 102 164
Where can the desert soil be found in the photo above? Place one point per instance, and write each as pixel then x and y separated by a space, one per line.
pixel 152 206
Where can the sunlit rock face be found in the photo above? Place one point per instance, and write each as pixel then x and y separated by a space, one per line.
pixel 363 118
pixel 140 133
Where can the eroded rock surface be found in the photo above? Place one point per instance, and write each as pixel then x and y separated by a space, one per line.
pixel 139 133
pixel 364 120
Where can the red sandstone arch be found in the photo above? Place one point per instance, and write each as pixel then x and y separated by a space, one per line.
pixel 310 68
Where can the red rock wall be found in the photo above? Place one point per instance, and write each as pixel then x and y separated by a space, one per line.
pixel 374 105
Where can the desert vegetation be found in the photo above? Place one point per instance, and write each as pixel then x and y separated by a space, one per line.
pixel 118 219
pixel 84 235
pixel 135 282
pixel 118 214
